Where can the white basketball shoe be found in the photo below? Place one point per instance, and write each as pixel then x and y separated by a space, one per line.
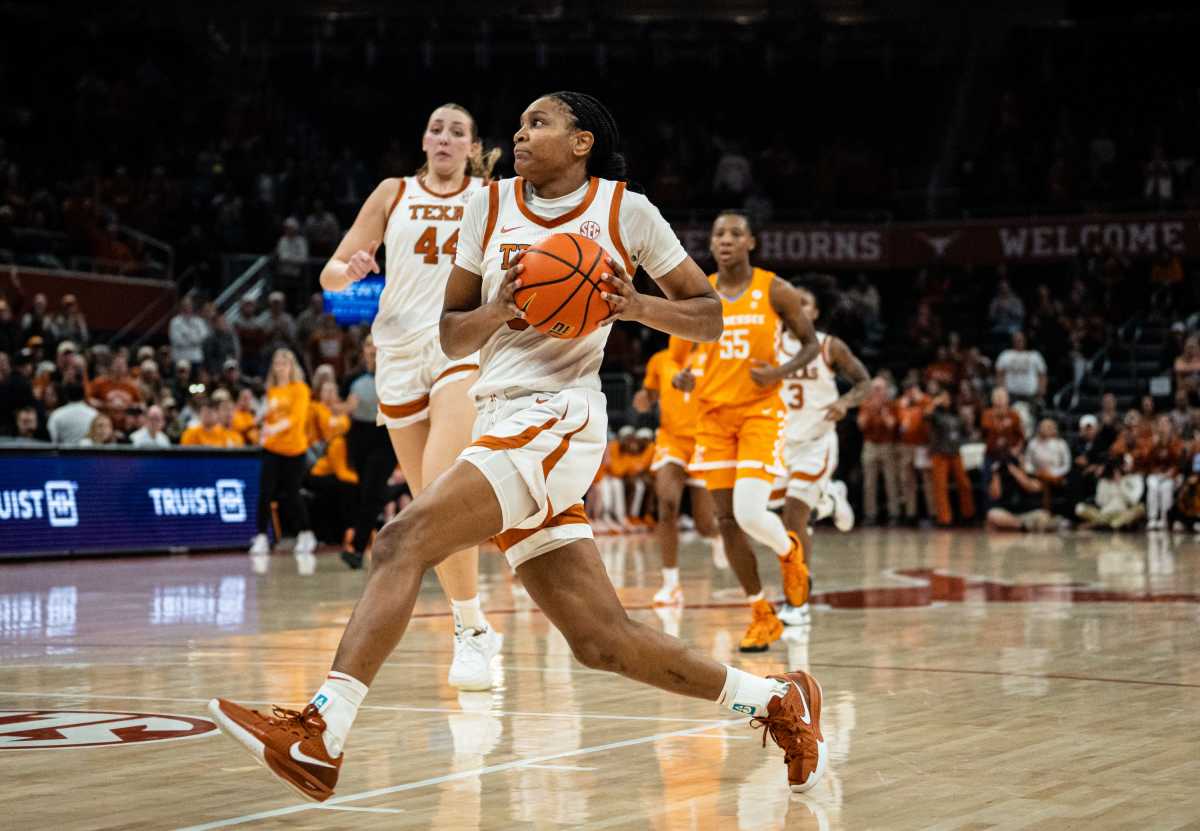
pixel 843 514
pixel 474 651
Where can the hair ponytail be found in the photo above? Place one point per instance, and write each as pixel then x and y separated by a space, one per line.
pixel 480 162
pixel 605 160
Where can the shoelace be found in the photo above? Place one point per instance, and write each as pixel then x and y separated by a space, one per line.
pixel 785 732
pixel 307 722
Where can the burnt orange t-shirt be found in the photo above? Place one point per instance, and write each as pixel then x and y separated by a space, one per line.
pixel 287 413
pixel 913 429
pixel 1000 424
pixel 878 422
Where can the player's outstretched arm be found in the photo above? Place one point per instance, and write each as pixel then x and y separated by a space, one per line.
pixel 354 258
pixel 467 322
pixel 690 310
pixel 847 364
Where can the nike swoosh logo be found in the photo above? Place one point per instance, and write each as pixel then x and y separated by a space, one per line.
pixel 513 228
pixel 807 717
pixel 300 756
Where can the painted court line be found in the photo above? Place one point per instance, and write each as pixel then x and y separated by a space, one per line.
pixel 453 777
pixel 363 810
pixel 384 707
pixel 556 767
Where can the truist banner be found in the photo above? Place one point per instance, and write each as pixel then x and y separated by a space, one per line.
pixel 962 242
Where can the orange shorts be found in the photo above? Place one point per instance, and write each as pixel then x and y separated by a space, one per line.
pixel 670 449
pixel 738 442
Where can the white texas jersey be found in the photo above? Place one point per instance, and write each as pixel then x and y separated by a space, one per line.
pixel 505 219
pixel 809 392
pixel 421 237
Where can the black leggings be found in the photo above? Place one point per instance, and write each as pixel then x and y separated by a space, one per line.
pixel 281 478
pixel 372 457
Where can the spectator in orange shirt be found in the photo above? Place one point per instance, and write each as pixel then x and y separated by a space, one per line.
pixel 1002 428
pixel 114 390
pixel 285 443
pixel 1132 444
pixel 244 420
pixel 1162 460
pixel 880 454
pixel 914 460
pixel 327 345
pixel 209 432
pixel 944 369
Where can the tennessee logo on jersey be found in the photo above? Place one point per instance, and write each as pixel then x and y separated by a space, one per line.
pixel 751 333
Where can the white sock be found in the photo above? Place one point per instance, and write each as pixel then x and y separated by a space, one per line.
pixel 670 577
pixel 747 694
pixel 338 701
pixel 754 598
pixel 468 614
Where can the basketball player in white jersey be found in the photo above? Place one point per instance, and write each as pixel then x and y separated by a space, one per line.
pixel 810 450
pixel 540 437
pixel 423 394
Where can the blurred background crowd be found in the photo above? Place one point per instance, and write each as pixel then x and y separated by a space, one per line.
pixel 1035 395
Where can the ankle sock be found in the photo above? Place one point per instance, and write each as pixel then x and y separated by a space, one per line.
pixel 468 614
pixel 338 701
pixel 670 577
pixel 747 694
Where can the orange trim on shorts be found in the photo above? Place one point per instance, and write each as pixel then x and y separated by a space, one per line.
pixel 777 494
pixel 551 460
pixel 614 227
pixel 465 184
pixel 388 217
pixel 513 442
pixel 456 369
pixel 519 192
pixel 575 515
pixel 493 212
pixel 812 477
pixel 404 410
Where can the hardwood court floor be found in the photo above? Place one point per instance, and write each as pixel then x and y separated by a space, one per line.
pixel 971 682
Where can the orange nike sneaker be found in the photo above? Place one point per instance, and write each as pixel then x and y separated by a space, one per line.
pixel 764 629
pixel 796 582
pixel 287 743
pixel 793 721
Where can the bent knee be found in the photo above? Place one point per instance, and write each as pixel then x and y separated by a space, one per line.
pixel 607 650
pixel 395 542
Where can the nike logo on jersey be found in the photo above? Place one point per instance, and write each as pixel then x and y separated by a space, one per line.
pixel 300 756
pixel 510 228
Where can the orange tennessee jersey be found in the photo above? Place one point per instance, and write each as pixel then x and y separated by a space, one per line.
pixel 676 415
pixel 752 327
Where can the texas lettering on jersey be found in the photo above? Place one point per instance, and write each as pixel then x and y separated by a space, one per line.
pixel 436 213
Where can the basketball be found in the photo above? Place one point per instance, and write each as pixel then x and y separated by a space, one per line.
pixel 560 286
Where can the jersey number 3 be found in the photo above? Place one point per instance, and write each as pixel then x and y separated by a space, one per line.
pixel 427 245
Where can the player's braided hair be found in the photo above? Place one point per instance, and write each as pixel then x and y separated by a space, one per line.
pixel 479 163
pixel 605 160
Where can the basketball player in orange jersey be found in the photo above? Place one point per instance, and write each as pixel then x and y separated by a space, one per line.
pixel 736 384
pixel 674 444
pixel 810 450
pixel 540 437
pixel 422 394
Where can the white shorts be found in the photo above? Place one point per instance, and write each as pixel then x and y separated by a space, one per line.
pixel 540 452
pixel 810 466
pixel 406 377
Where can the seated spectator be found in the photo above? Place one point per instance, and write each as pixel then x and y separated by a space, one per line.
pixel 327 345
pixel 69 323
pixel 291 254
pixel 100 432
pixel 36 322
pixel 943 369
pixel 149 381
pixel 1148 410
pixel 1002 427
pixel 321 229
pixel 924 333
pixel 28 427
pixel 1006 312
pixel 1089 456
pixel 16 392
pixel 1015 498
pixel 114 391
pixel 1117 502
pixel 278 327
pixel 1022 371
pixel 1181 416
pixel 308 320
pixel 1187 366
pixel 1048 458
pixel 1110 420
pixel 181 382
pixel 187 331
pixel 946 433
pixel 220 346
pixel 173 423
pixel 209 432
pixel 70 423
pixel 327 418
pixel 1162 463
pixel 151 434
pixel 251 336
pixel 10 331
pixel 245 417
pixel 1132 442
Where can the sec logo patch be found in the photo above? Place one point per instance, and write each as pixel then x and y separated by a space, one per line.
pixel 590 229
pixel 47 729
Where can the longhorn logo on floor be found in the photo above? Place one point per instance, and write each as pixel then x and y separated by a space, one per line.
pixel 55 501
pixel 45 729
pixel 226 499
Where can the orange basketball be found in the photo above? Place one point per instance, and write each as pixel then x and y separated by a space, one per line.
pixel 560 286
